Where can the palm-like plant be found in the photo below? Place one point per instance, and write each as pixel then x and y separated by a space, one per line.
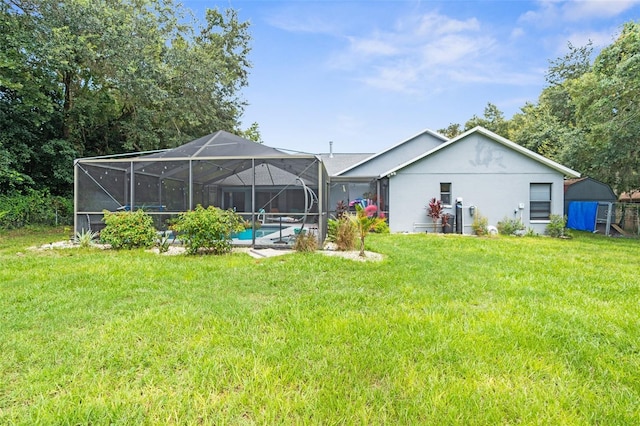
pixel 365 220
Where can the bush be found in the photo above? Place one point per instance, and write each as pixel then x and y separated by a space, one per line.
pixel 306 242
pixel 480 224
pixel 85 238
pixel 342 232
pixel 509 226
pixel 381 227
pixel 128 229
pixel 34 208
pixel 556 226
pixel 208 229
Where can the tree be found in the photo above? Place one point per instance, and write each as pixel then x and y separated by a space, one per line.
pixel 83 78
pixel 607 107
pixel 493 119
pixel 451 131
pixel 538 129
pixel 550 127
pixel 571 66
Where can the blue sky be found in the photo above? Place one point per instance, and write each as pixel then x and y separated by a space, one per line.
pixel 369 74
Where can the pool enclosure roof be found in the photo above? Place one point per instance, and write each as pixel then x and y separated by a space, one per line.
pixel 228 158
pixel 221 158
pixel 218 144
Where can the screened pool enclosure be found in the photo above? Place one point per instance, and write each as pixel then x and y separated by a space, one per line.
pixel 269 188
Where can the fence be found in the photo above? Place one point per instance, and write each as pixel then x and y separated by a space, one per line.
pixel 627 218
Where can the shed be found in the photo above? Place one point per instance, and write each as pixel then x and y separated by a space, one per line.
pixel 586 189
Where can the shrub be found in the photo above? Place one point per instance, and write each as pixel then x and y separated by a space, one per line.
pixel 34 208
pixel 556 226
pixel 306 242
pixel 346 234
pixel 480 224
pixel 85 238
pixel 208 229
pixel 380 227
pixel 128 229
pixel 509 226
pixel 341 209
pixel 165 240
pixel 434 209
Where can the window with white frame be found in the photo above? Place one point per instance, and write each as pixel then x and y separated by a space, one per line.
pixel 445 193
pixel 540 201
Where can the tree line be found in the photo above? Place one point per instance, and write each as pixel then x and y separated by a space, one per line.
pixel 588 115
pixel 82 78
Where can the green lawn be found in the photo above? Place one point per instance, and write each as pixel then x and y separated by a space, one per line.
pixel 446 330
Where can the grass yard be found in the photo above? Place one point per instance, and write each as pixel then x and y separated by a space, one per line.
pixel 446 330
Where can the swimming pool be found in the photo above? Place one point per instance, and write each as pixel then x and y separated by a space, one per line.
pixel 263 231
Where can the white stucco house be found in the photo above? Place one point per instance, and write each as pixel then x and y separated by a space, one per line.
pixel 477 172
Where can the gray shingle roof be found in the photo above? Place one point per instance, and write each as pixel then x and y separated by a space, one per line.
pixel 338 162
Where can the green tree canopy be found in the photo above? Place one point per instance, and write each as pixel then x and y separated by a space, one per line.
pixel 85 78
pixel 608 111
pixel 588 118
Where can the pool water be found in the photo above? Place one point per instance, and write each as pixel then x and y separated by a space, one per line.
pixel 265 230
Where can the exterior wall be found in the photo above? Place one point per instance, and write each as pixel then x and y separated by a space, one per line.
pixel 395 156
pixel 485 173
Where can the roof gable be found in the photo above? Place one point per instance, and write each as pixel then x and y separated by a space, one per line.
pixel 494 137
pixel 396 154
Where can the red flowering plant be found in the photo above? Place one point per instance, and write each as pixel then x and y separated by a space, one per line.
pixel 434 210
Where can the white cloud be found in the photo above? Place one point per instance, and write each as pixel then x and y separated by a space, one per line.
pixel 452 50
pixel 598 38
pixel 396 78
pixel 372 46
pixel 409 56
pixel 296 20
pixel 434 24
pixel 517 33
pixel 551 12
pixel 545 15
pixel 586 9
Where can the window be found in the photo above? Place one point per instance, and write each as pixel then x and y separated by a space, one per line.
pixel 445 193
pixel 540 201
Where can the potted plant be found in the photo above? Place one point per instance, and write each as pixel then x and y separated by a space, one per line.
pixel 435 211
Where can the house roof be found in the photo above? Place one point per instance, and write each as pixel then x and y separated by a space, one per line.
pixel 335 163
pixel 634 197
pixel 391 148
pixel 497 138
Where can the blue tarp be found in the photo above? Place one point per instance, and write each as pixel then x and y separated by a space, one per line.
pixel 582 215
